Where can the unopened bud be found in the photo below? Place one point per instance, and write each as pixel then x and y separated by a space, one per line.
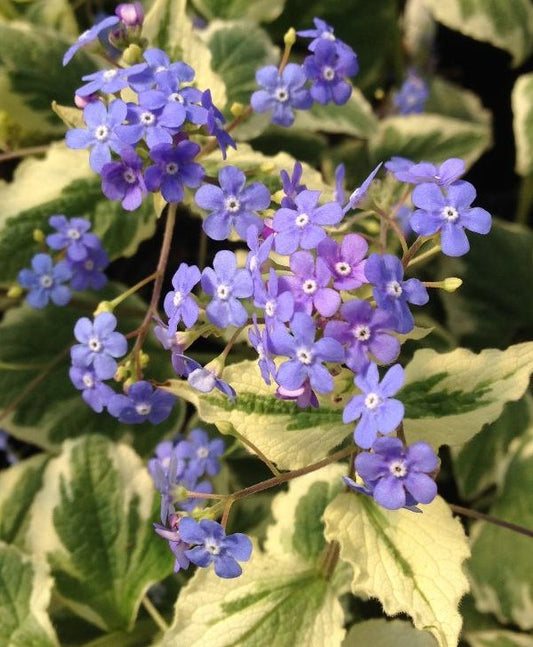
pixel 290 37
pixel 104 306
pixel 14 292
pixel 451 284
pixel 144 359
pixel 38 236
pixel 132 55
pixel 121 374
pixel 237 109
pixel 128 383
pixel 131 13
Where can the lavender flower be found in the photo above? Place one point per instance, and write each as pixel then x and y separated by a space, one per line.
pixel 449 213
pixel 203 379
pixel 215 124
pixel 99 345
pixel 175 542
pixel 281 93
pixel 130 13
pixel 358 195
pixel 141 403
pixel 179 304
pixel 124 180
pixel 106 81
pixel 232 204
pixel 345 261
pixel 413 94
pixel 304 396
pixel 201 453
pixel 158 70
pixel 88 36
pixel 94 392
pixel 328 67
pixel 44 281
pixel 73 236
pixel 214 546
pixel 89 273
pixel 322 31
pixel 174 169
pixel 378 412
pixel 444 175
pixel 291 185
pixel 278 305
pixel 260 340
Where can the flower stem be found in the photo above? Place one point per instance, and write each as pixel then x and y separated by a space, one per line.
pixel 329 559
pixel 133 289
pixel 23 152
pixel 154 613
pixel 475 514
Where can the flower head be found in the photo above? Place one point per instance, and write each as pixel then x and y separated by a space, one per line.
pixel 345 261
pixel 412 96
pixel 124 180
pixel 72 235
pixel 44 281
pixel 88 36
pixel 445 174
pixel 141 403
pixel 328 68
pixel 94 392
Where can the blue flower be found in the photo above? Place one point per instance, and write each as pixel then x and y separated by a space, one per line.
pixel 174 169
pixel 260 340
pixel 124 180
pixel 444 175
pixel 357 196
pixel 88 273
pixel 412 96
pixel 449 213
pixel 327 68
pixel 166 469
pixel 291 185
pixel 158 70
pixel 377 410
pixel 142 403
pixel 282 93
pixel 346 261
pixel 215 124
pixel 201 378
pixel 45 281
pixel 396 476
pixel 278 305
pixel 88 36
pixel 106 81
pixel 202 454
pixel 391 292
pixel 99 345
pixel 306 355
pixel 73 236
pixel 232 204
pixel 179 304
pixel 226 284
pixel 94 392
pixel 175 542
pixel 214 546
pixel 322 31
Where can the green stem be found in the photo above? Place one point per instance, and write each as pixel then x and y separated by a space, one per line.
pixel 135 288
pixel 424 257
pixel 329 559
pixel 154 613
pixel 474 514
pixel 23 152
pixel 525 200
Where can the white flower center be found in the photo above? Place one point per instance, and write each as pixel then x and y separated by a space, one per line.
pixel 160 68
pixel 143 408
pixel 327 35
pixel 231 204
pixel 46 281
pixel 88 380
pixel 178 299
pixel 101 133
pixel 94 345
pixel 372 401
pixel 129 176
pixel 301 220
pixel 109 74
pixel 260 351
pixel 202 380
pixel 281 94
pixel 202 452
pixel 304 355
pixel 450 214
pixel 176 96
pixel 212 548
pixel 309 286
pixel 73 234
pixel 394 289
pixel 171 168
pixel 223 291
pixel 328 73
pixel 89 265
pixel 342 268
pixel 270 308
pixel 361 332
pixel 398 469
pixel 147 118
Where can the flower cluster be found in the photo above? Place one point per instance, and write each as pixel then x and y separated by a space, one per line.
pixel 81 265
pixel 321 78
pixel 412 96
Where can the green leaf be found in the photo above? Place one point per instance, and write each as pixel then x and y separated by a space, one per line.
pixel 168 27
pixel 502 582
pixel 238 49
pixel 32 76
pixel 411 562
pixel 385 633
pixel 507 25
pixel 354 118
pixel 478 464
pixel 45 408
pixel 259 608
pixel 25 587
pixel 490 309
pixel 448 397
pixel 427 137
pixel 522 105
pixel 254 10
pixel 92 521
pixel 52 14
pixel 498 638
pixel 446 98
pixel 18 486
pixel 288 436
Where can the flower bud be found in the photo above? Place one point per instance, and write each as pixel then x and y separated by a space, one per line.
pixel 131 13
pixel 104 306
pixel 14 292
pixel 38 235
pixel 451 284
pixel 290 37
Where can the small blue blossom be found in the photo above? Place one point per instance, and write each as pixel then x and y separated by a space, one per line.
pixel 202 454
pixel 159 71
pixel 291 185
pixel 202 379
pixel 212 545
pixel 391 292
pixel 277 304
pixel 346 261
pixel 99 345
pixel 322 31
pixel 124 180
pixel 281 93
pixel 176 544
pixel 232 204
pixel 358 195
pixel 449 213
pixel 215 124
pixel 306 355
pixel 166 469
pixel 444 175
pixel 73 236
pixel 396 476
pixel 174 169
pixel 378 412
pixel 226 285
pixel 94 392
pixel 260 340
pixel 106 81
pixel 89 273
pixel 179 304
pixel 413 94
pixel 328 68
pixel 44 281
pixel 258 255
pixel 88 36
pixel 141 403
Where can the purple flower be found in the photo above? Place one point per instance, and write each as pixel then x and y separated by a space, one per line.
pixel 391 292
pixel 258 254
pixel 174 169
pixel 396 476
pixel 327 67
pixel 365 332
pixel 309 285
pixel 130 13
pixel 406 171
pixel 72 235
pixel 281 93
pixel 142 403
pixel 322 31
pixel 124 180
pixel 202 454
pixel 260 340
pixel 306 355
pixel 291 185
pixel 203 379
pixel 44 281
pixel 412 96
pixel 88 36
pixel 226 284
pixel 159 71
pixel 175 542
pixel 340 189
pixel 345 261
pixel 88 273
pixel 278 306
pixel 232 204
pixel 449 213
pixel 94 392
pixel 215 124
pixel 179 304
pixel 213 545
pixel 104 132
pixel 377 410
pixel 99 345
pixel 303 225
pixel 106 81
pixel 304 396
pixel 357 196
